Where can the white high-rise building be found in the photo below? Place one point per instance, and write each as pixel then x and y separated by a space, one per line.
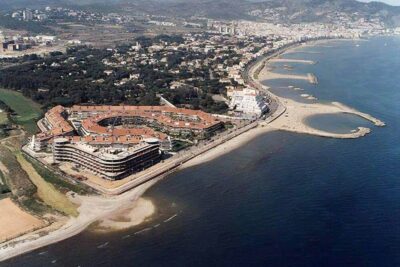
pixel 15 15
pixel 27 15
pixel 248 101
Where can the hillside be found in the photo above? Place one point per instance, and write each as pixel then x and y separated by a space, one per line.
pixel 288 10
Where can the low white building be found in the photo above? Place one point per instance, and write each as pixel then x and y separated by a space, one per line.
pixel 248 101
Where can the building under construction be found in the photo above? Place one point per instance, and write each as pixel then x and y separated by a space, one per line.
pixel 115 141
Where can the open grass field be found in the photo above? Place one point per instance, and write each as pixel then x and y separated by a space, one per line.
pixel 28 112
pixel 3 123
pixel 17 221
pixel 46 191
pixel 13 175
pixel 56 180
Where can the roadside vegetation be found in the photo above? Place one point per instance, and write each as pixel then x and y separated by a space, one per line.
pixel 46 191
pixel 4 190
pixel 3 122
pixel 17 180
pixel 53 178
pixel 32 185
pixel 3 117
pixel 180 145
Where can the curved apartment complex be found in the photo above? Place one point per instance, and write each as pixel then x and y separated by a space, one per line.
pixel 108 163
pixel 115 141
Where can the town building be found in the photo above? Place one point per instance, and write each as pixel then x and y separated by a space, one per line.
pixel 247 101
pixel 115 141
pixel 109 163
pixel 27 15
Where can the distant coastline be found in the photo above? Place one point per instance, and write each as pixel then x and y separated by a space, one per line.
pixel 290 115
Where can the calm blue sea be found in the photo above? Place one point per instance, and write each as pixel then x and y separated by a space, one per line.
pixel 283 199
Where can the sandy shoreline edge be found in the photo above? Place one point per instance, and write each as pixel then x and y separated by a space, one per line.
pixel 293 114
pixel 289 117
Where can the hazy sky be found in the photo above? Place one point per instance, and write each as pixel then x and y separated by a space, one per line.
pixel 390 2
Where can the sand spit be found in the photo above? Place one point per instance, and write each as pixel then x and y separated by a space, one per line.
pixel 111 212
pixel 139 212
pixel 366 116
pixel 300 52
pixel 266 74
pixel 291 115
pixel 91 209
pixel 293 119
pixel 296 113
pixel 289 60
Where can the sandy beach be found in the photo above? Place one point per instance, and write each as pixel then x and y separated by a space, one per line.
pixel 228 146
pixel 115 212
pixel 140 211
pixel 266 74
pixel 295 113
pixel 289 60
pixel 14 221
pixel 91 209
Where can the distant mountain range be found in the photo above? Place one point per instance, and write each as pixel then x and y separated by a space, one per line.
pixel 291 10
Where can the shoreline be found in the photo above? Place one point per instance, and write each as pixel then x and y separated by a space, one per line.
pixel 293 114
pixel 228 146
pixel 142 210
pixel 91 210
pixel 94 209
pixel 97 208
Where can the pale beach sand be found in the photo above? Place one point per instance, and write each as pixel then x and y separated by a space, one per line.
pixel 139 212
pixel 296 113
pixel 91 209
pixel 228 146
pixel 266 74
pixel 14 221
pixel 289 60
